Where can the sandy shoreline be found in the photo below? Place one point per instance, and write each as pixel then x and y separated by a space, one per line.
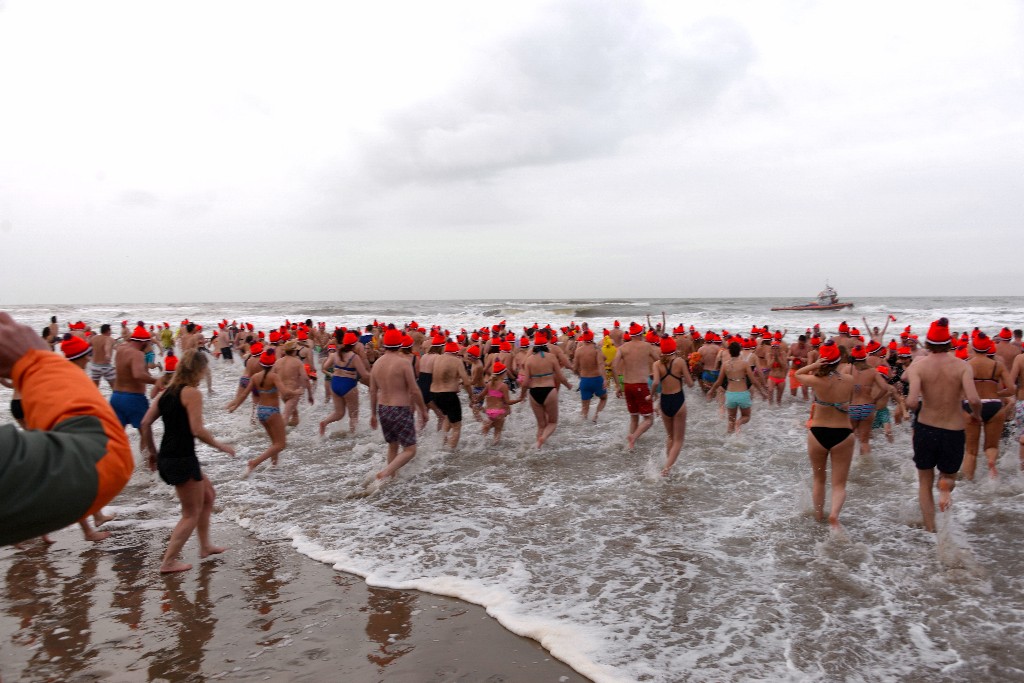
pixel 261 611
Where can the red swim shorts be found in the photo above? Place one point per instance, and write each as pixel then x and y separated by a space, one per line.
pixel 638 399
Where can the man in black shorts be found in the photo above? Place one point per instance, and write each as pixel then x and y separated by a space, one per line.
pixel 939 382
pixel 449 374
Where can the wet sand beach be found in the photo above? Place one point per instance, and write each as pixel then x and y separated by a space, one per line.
pixel 78 611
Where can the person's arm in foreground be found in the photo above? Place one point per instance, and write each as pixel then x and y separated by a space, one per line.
pixel 73 458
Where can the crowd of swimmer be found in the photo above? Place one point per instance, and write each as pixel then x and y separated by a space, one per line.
pixel 858 382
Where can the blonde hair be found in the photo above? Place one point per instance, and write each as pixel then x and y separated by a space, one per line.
pixel 190 369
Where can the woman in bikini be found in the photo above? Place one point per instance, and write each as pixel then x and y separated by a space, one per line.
pixel 778 368
pixel 670 373
pixel 496 401
pixel 347 371
pixel 181 407
pixel 868 387
pixel 831 434
pixel 269 390
pixel 737 376
pixel 993 384
pixel 542 374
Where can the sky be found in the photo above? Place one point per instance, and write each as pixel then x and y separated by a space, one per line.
pixel 238 151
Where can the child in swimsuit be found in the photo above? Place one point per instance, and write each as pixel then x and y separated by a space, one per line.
pixel 496 401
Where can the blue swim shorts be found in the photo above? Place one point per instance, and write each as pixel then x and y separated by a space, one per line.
pixel 737 399
pixel 129 407
pixel 592 386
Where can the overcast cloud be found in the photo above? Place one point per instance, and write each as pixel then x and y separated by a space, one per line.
pixel 159 152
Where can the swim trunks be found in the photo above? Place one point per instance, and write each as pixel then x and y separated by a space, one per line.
pixel 672 403
pixel 937 447
pixel 100 371
pixel 794 383
pixel 225 353
pixel 737 399
pixel 592 386
pixel 129 407
pixel 638 399
pixel 396 424
pixel 881 417
pixel 449 405
pixel 150 357
pixel 709 376
pixel 423 382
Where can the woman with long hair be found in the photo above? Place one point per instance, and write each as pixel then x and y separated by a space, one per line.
pixel 831 434
pixel 181 408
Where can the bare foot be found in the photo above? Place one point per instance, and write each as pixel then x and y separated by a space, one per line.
pixel 102 519
pixel 211 550
pixel 249 469
pixel 48 540
pixel 175 567
pixel 946 486
pixel 631 442
pixel 664 472
pixel 323 428
pixel 96 535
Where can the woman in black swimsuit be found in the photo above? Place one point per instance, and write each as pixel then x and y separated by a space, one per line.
pixel 669 375
pixel 181 407
pixel 831 434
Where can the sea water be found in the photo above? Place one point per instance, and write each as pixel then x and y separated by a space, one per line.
pixel 718 572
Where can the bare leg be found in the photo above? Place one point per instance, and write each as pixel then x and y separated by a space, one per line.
pixel 551 413
pixel 993 432
pixel 841 455
pixel 925 482
pixel 397 462
pixel 275 429
pixel 645 423
pixel 203 526
pixel 100 519
pixel 675 427
pixel 744 418
pixel 972 433
pixel 452 438
pixel 191 496
pixel 947 482
pixel 90 533
pixel 352 403
pixel 819 460
pixel 338 413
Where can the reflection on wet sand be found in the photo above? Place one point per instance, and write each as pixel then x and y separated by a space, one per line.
pixel 388 622
pixel 193 622
pixel 53 610
pixel 262 592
